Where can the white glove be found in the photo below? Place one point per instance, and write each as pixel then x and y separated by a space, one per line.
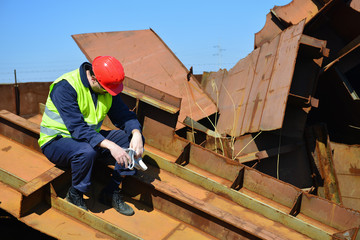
pixel 138 163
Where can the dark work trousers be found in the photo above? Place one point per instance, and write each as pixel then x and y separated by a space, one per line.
pixel 80 156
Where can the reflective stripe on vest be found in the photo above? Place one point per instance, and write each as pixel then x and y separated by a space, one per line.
pixel 56 117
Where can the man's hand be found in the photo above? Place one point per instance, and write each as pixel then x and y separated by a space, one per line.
pixel 136 143
pixel 117 152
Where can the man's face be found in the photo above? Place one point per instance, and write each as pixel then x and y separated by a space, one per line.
pixel 96 87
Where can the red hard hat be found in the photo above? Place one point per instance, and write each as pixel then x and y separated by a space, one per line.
pixel 110 74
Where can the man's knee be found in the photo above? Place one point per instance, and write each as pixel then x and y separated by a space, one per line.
pixel 117 136
pixel 87 153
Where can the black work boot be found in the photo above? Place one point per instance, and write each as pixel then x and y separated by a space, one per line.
pixel 75 197
pixel 116 200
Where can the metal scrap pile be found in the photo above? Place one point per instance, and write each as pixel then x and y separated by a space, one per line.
pixel 302 72
pixel 288 110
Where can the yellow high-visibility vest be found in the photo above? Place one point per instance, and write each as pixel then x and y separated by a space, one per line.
pixel 52 124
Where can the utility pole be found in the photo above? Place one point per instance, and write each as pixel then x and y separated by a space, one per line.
pixel 219 54
pixel 17 95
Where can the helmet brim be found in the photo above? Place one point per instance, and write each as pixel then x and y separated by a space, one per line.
pixel 114 91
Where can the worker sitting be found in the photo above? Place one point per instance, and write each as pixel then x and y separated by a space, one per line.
pixel 71 135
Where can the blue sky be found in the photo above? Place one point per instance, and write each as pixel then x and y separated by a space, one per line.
pixel 208 35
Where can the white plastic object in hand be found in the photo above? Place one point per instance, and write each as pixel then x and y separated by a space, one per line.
pixel 138 163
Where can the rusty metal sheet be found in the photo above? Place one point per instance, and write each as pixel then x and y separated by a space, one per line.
pixel 284 65
pixel 234 94
pixel 145 100
pixel 280 17
pixel 60 225
pixel 347 167
pixel 147 59
pixel 10 199
pixel 328 213
pixel 254 93
pixel 268 32
pixel 321 153
pixel 213 163
pixel 30 95
pixel 24 166
pixel 260 85
pixel 355 4
pixel 211 83
pixel 162 137
pixel 19 129
pixel 270 188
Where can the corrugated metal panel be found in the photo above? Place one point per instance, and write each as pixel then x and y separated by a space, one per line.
pixel 254 93
pixel 147 59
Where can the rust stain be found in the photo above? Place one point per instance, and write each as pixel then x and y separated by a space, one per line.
pixel 6 149
pixel 256 104
pixel 354 170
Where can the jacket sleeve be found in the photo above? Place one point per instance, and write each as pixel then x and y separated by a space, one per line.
pixel 64 98
pixel 121 116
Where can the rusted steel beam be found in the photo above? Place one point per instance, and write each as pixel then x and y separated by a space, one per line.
pixel 237 197
pixel 46 219
pixel 40 181
pixel 31 94
pixel 243 158
pixel 163 138
pixel 260 198
pixel 19 121
pixel 342 54
pixel 46 182
pixel 88 218
pixel 254 203
pixel 328 213
pixel 58 225
pixel 180 201
pixel 152 96
pixel 214 163
pixel 26 203
pixel 155 197
pixel 259 189
pixel 19 129
pixel 145 100
pixel 27 171
pixel 322 155
pixel 152 101
pixel 10 199
pixel 315 43
pixel 11 179
pixel 24 160
pixel 198 126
